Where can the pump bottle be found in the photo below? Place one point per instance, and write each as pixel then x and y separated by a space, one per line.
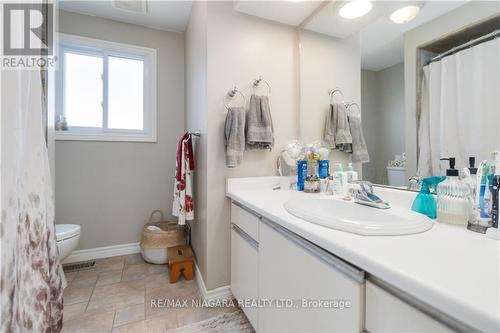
pixel 453 198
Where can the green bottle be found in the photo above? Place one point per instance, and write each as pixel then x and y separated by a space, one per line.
pixel 425 202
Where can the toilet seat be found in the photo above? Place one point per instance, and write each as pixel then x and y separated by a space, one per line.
pixel 66 231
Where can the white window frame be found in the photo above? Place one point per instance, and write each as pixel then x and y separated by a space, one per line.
pixel 91 46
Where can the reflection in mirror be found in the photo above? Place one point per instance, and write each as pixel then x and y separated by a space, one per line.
pixel 413 111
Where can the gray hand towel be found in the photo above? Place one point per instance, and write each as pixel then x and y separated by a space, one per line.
pixel 330 127
pixel 337 134
pixel 234 131
pixel 359 150
pixel 259 124
pixel 343 138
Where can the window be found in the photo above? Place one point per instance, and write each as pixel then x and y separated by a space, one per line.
pixel 106 91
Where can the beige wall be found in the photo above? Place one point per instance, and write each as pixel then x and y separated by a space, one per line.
pixel 462 17
pixel 196 119
pixel 326 63
pixel 371 121
pixel 110 188
pixel 383 119
pixel 239 49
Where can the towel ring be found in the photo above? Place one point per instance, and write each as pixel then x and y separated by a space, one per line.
pixel 357 105
pixel 257 82
pixel 332 92
pixel 231 93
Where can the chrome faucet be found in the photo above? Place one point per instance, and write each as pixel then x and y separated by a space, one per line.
pixel 362 192
pixel 414 183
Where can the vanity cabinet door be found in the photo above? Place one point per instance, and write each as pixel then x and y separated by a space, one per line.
pixel 244 270
pixel 387 313
pixel 291 268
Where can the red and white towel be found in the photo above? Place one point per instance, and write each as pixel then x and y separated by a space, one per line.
pixel 183 192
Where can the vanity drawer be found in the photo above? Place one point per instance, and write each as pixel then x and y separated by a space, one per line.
pixel 244 271
pixel 387 313
pixel 246 220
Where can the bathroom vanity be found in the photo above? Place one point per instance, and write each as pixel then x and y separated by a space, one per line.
pixel 312 278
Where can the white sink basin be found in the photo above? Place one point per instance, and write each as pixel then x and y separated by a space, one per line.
pixel 358 219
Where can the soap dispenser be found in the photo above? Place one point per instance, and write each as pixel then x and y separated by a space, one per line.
pixel 453 197
pixel 425 202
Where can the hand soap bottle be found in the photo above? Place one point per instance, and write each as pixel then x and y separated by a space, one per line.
pixel 453 198
pixel 339 181
pixel 351 174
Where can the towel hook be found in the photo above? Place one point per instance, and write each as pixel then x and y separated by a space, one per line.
pixel 257 82
pixel 332 92
pixel 231 93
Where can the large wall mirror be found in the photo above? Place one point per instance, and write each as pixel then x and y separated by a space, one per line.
pixel 425 78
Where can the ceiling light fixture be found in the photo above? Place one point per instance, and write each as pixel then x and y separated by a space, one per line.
pixel 404 14
pixel 355 8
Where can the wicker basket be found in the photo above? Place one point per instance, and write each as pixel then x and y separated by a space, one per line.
pixel 154 244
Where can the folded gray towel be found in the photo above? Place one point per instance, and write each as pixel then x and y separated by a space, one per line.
pixel 343 138
pixel 259 124
pixel 234 131
pixel 330 127
pixel 337 134
pixel 359 150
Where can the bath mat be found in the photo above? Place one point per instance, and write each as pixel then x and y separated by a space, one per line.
pixel 234 322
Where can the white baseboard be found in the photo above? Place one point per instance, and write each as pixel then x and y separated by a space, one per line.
pixel 103 252
pixel 217 293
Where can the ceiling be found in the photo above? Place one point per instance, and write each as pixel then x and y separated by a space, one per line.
pixel 287 12
pixel 381 40
pixel 382 43
pixel 163 15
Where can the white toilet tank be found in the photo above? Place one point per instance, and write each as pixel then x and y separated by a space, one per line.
pixel 396 176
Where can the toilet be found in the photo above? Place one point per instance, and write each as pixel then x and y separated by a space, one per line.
pixel 396 176
pixel 67 236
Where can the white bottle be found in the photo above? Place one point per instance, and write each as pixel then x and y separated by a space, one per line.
pixel 339 182
pixel 351 174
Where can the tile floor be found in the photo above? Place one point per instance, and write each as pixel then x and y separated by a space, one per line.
pixel 116 296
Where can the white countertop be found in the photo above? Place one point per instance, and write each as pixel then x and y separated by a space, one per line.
pixel 449 267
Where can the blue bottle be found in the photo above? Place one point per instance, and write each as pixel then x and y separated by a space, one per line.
pixel 323 169
pixel 301 174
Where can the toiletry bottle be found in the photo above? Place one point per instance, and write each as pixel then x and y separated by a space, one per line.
pixel 340 181
pixel 301 174
pixel 351 174
pixel 495 196
pixel 64 125
pixel 425 202
pixel 453 198
pixel 323 168
pixel 484 199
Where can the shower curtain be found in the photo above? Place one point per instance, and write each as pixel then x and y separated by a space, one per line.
pixel 460 108
pixel 31 275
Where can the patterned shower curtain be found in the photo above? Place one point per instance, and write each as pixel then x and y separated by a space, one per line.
pixel 31 275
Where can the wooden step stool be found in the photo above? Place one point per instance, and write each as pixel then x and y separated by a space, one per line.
pixel 180 260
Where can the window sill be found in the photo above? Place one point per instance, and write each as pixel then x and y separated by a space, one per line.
pixel 71 136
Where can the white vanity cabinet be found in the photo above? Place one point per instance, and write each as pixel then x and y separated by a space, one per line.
pixel 290 268
pixel 386 312
pixel 244 259
pixel 307 289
